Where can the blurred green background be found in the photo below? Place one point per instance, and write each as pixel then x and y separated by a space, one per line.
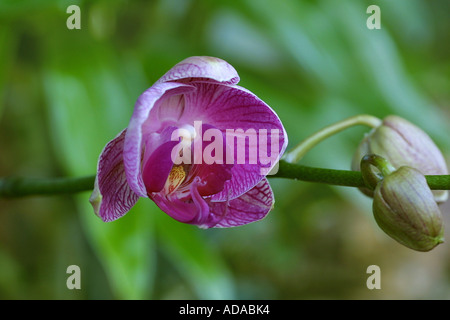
pixel 65 93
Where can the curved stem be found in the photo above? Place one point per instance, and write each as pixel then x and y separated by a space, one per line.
pixel 19 187
pixel 370 177
pixel 303 147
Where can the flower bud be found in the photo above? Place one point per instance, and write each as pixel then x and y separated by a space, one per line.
pixel 403 144
pixel 404 208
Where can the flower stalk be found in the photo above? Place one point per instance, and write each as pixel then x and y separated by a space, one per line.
pixel 12 187
pixel 19 187
pixel 296 154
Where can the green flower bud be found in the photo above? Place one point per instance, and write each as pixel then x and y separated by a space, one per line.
pixel 403 144
pixel 404 208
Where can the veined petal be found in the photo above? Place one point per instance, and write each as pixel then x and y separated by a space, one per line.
pixel 112 196
pixel 209 68
pixel 249 207
pixel 245 120
pixel 133 144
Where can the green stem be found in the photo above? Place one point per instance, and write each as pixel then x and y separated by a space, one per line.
pixel 343 178
pixel 19 187
pixel 303 147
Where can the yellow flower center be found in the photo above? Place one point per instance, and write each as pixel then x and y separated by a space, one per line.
pixel 176 177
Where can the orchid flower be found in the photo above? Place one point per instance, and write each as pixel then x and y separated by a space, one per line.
pixel 197 145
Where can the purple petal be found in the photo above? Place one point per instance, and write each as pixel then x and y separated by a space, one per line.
pixel 158 166
pixel 249 207
pixel 208 68
pixel 134 137
pixel 112 196
pixel 231 108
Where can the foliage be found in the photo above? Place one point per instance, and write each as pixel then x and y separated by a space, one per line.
pixel 65 93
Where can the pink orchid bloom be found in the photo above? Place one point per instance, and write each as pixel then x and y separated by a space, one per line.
pixel 192 111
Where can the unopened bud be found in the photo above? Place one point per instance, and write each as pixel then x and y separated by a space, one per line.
pixel 404 208
pixel 403 144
